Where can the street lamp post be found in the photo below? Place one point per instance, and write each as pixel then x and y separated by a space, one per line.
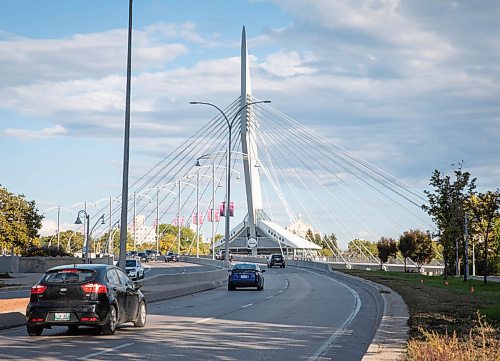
pixel 197 214
pixel 84 213
pixel 179 220
pixel 228 180
pixel 212 203
pixel 58 222
pixel 135 216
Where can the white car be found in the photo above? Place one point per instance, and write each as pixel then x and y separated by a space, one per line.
pixel 134 269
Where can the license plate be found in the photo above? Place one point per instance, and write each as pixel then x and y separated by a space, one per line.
pixel 61 316
pixel 244 276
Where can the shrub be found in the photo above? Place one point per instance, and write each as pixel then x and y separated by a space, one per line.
pixel 482 343
pixel 44 251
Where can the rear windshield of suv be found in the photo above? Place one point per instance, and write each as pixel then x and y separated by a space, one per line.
pixel 277 256
pixel 131 263
pixel 70 275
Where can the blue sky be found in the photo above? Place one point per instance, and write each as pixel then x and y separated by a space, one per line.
pixel 410 86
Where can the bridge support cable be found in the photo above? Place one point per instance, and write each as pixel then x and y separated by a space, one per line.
pixel 174 164
pixel 363 166
pixel 346 168
pixel 306 166
pixel 286 159
pixel 168 161
pixel 314 144
pixel 318 201
pixel 354 158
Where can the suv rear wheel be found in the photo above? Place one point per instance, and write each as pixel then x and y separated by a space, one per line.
pixel 34 330
pixel 141 317
pixel 109 327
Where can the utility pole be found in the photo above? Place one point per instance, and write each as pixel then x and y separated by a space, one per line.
pixel 466 247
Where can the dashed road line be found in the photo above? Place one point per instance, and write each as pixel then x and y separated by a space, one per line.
pixel 86 357
pixel 204 320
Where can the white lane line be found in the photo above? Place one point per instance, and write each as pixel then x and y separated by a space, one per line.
pixel 269 297
pixel 105 351
pixel 346 323
pixel 250 304
pixel 204 320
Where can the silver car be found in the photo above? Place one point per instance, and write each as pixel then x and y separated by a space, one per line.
pixel 134 269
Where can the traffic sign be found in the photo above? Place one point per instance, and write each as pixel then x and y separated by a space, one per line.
pixel 252 243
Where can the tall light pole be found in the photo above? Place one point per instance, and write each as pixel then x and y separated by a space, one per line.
pixel 157 220
pixel 58 221
pixel 83 213
pixel 179 220
pixel 158 190
pixel 228 181
pixel 126 148
pixel 197 214
pixel 135 216
pixel 212 202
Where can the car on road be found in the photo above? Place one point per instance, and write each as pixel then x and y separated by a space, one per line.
pixel 151 254
pixel 134 269
pixel 276 259
pixel 95 295
pixel 143 256
pixel 171 257
pixel 245 275
pixel 221 255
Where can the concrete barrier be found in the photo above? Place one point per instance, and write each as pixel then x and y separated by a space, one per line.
pixel 324 266
pixel 203 261
pixel 41 264
pixel 166 279
pixel 9 264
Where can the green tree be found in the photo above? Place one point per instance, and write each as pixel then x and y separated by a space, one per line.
pixel 329 245
pixel 447 206
pixel 485 208
pixel 19 221
pixel 387 248
pixel 362 247
pixel 424 249
pixel 313 237
pixel 407 244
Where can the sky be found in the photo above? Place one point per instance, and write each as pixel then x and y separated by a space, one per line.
pixel 410 86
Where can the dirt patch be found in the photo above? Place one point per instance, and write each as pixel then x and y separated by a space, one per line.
pixel 14 305
pixel 432 308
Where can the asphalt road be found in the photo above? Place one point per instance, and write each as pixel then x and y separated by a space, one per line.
pixel 300 315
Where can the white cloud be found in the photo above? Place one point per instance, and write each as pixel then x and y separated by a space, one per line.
pixel 288 64
pixel 28 134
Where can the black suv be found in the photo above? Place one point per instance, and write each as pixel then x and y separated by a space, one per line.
pixel 171 257
pixel 276 259
pixel 96 295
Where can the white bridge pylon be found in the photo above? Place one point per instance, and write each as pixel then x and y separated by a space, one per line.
pixel 257 233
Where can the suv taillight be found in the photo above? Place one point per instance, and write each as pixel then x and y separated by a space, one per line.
pixel 94 288
pixel 38 289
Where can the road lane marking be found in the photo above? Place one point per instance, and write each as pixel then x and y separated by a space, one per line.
pixel 204 320
pixel 326 345
pixel 105 351
pixel 250 304
pixel 269 297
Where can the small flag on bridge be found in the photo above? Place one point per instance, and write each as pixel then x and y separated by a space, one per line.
pixel 223 209
pixel 197 221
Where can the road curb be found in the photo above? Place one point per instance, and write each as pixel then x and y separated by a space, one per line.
pixel 12 319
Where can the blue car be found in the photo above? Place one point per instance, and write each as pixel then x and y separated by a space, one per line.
pixel 245 275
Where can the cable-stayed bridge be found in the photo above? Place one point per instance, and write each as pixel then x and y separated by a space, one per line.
pixel 282 173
